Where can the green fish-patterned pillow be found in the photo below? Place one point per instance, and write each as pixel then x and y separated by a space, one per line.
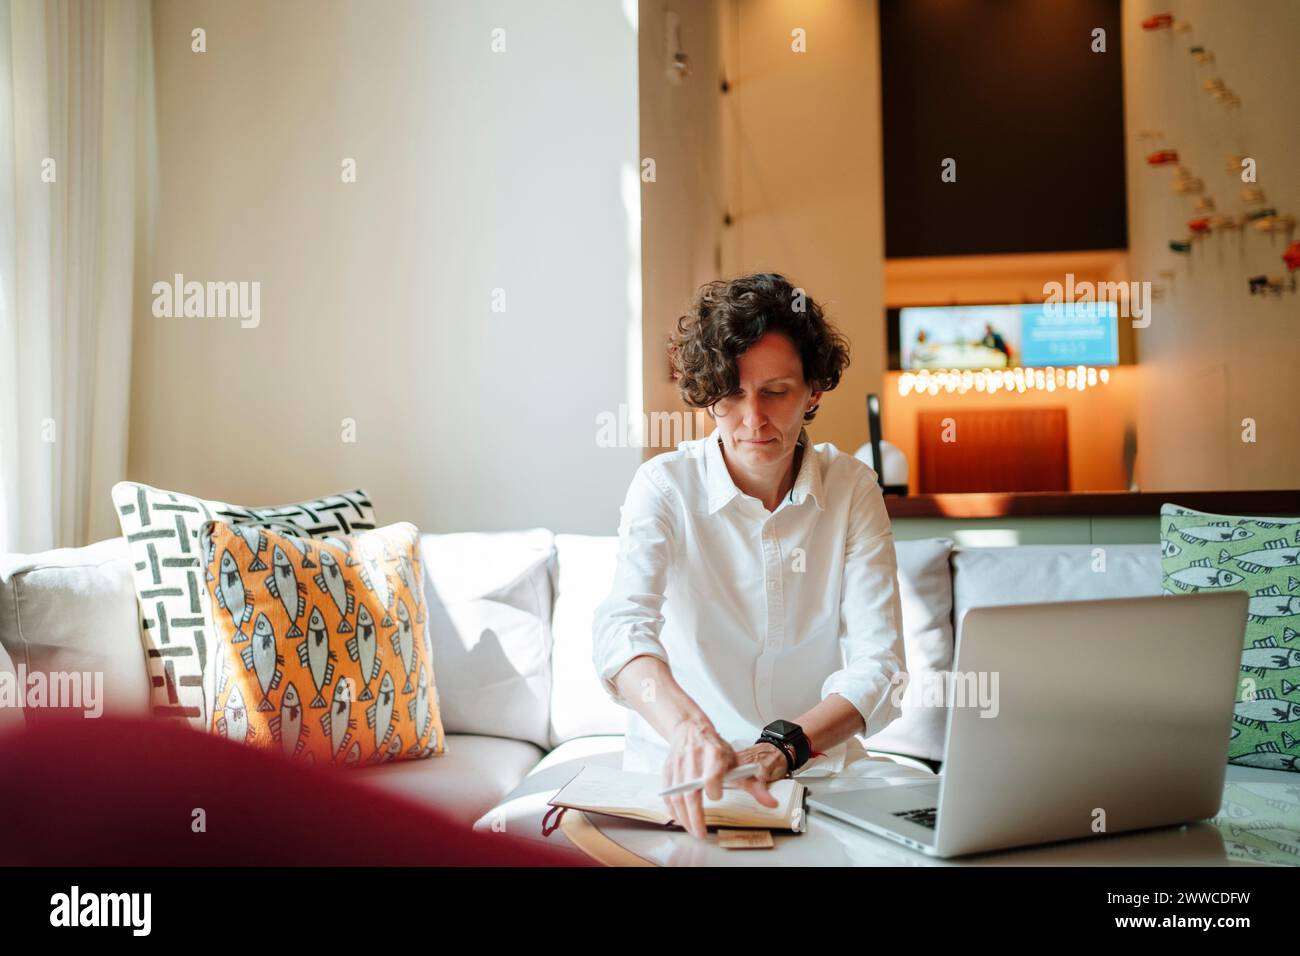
pixel 1261 556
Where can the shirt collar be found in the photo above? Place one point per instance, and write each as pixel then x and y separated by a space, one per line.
pixel 722 489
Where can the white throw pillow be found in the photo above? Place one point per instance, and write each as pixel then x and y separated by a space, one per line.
pixel 579 705
pixel 489 598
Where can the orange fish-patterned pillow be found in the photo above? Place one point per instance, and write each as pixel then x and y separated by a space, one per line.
pixel 321 644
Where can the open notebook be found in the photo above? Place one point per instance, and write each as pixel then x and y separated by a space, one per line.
pixel 624 793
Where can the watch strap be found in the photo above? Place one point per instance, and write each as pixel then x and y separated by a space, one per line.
pixel 797 748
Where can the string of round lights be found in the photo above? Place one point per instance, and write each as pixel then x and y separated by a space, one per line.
pixel 1020 379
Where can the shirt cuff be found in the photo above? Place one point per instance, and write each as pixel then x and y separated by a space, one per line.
pixel 615 659
pixel 877 709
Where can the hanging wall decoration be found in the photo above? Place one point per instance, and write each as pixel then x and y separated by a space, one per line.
pixel 1255 217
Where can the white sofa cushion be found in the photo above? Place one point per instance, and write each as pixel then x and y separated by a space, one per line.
pixel 925 590
pixel 463 783
pixel 580 707
pixel 74 610
pixel 489 597
pixel 1044 573
pixel 1038 574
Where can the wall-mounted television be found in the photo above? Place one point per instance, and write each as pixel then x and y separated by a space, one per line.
pixel 1033 335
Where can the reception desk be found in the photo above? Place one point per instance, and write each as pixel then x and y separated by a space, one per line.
pixel 1086 517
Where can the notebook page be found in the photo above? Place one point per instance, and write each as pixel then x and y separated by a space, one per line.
pixel 611 787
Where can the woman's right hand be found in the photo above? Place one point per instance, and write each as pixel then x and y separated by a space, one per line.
pixel 696 751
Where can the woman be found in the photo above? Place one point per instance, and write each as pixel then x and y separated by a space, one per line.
pixel 754 614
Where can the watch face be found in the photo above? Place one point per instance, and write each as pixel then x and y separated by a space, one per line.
pixel 782 728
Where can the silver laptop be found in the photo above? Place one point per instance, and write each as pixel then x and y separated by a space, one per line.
pixel 1108 716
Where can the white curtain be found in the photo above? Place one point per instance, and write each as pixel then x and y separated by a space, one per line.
pixel 77 164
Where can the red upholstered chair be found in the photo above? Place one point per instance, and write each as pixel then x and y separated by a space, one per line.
pixel 123 792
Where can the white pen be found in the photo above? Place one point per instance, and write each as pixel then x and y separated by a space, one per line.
pixel 739 773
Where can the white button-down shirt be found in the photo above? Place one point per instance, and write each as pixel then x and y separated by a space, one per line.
pixel 760 615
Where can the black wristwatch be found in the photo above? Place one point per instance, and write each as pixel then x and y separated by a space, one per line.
pixel 790 739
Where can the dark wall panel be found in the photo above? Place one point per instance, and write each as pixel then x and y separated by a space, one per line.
pixel 1012 91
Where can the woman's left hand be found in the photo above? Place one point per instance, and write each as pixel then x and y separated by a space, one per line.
pixel 772 765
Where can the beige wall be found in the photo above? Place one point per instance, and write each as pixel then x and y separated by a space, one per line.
pixel 792 152
pixel 476 171
pixel 805 176
pixel 1214 354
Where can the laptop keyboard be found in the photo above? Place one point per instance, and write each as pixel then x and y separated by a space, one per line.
pixel 922 817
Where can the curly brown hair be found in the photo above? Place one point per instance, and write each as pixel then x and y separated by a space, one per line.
pixel 730 315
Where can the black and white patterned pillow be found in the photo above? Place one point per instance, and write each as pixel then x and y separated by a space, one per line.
pixel 161 529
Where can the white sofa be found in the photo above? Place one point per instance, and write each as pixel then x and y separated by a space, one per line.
pixel 511 627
